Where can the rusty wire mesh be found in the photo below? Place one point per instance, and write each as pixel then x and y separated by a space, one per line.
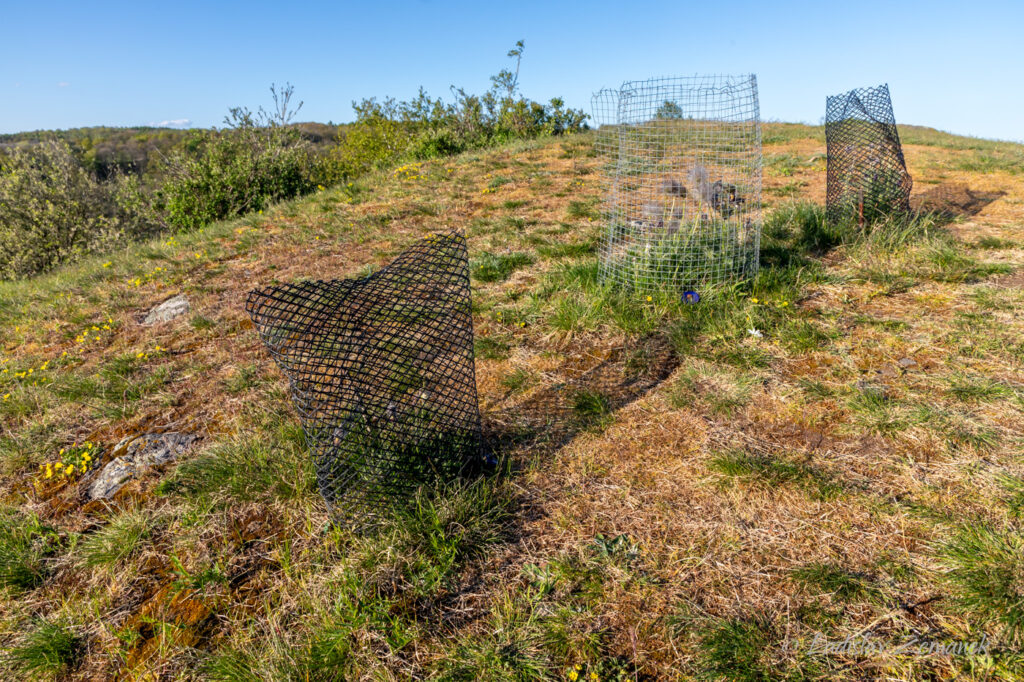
pixel 682 180
pixel 381 372
pixel 867 177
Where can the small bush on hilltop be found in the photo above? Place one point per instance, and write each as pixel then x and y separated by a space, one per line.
pixel 257 160
pixel 424 128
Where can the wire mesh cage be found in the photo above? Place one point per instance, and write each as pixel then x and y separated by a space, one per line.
pixel 682 180
pixel 867 177
pixel 381 373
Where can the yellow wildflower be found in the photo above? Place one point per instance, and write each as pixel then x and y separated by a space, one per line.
pixel 649 299
pixel 753 300
pixel 107 264
pixel 69 470
pixel 573 675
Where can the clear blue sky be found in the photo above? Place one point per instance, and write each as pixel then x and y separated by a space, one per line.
pixel 957 66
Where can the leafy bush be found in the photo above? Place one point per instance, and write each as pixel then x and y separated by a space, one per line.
pixel 257 160
pixel 424 128
pixel 57 203
pixel 375 139
pixel 52 210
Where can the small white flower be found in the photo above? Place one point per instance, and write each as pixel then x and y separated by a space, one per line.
pixel 755 333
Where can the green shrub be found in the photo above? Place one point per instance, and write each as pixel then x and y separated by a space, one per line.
pixel 52 210
pixel 241 169
pixel 424 128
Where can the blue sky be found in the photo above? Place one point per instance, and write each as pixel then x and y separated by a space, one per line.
pixel 952 65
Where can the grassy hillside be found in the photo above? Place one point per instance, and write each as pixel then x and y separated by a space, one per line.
pixel 677 498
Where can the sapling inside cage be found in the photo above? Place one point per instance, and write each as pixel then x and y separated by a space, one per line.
pixel 682 179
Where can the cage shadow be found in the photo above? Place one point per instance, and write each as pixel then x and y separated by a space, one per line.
pixel 952 200
pixel 583 392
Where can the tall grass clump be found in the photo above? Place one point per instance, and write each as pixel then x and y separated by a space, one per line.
pixel 48 650
pixel 24 545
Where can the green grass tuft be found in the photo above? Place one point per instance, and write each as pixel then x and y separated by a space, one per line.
pixel 121 538
pixel 268 462
pixel 491 347
pixel 46 652
pixel 986 566
pixel 737 650
pixel 773 471
pixel 24 545
pixel 491 267
pixel 845 585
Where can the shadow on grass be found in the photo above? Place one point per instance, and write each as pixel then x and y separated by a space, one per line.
pixel 952 200
pixel 582 393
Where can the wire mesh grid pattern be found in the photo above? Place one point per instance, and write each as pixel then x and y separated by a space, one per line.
pixel 381 372
pixel 867 177
pixel 682 185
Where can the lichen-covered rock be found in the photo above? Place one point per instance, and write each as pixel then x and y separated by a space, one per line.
pixel 168 310
pixel 138 453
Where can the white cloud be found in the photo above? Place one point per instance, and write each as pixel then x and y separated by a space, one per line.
pixel 173 123
pixel 63 84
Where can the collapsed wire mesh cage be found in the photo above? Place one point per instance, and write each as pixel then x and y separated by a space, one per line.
pixel 381 372
pixel 682 181
pixel 867 176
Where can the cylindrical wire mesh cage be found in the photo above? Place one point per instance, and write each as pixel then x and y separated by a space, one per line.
pixel 682 195
pixel 867 176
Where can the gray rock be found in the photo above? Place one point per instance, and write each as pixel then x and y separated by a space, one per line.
pixel 168 310
pixel 138 453
pixel 907 363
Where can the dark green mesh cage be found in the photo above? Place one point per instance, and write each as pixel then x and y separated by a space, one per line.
pixel 381 373
pixel 867 176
